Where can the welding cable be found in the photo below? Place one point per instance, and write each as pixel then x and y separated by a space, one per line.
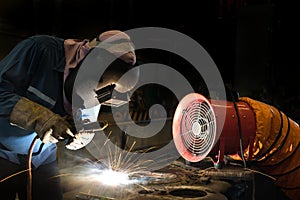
pixel 240 128
pixel 29 174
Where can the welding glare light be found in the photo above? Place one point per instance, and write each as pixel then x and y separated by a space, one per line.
pixel 114 178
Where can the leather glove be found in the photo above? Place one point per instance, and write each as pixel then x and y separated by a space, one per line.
pixel 32 116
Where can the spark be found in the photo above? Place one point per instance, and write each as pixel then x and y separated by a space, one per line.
pixel 117 169
pixel 15 174
pixel 114 178
pixel 112 169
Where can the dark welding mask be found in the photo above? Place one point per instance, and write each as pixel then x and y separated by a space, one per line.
pixel 98 76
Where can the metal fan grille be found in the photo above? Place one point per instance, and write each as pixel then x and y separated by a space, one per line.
pixel 197 127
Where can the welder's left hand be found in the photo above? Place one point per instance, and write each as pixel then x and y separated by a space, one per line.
pixel 33 116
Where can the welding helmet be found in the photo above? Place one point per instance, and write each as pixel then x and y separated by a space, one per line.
pixel 97 76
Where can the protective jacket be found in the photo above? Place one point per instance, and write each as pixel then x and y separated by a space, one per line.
pixel 33 69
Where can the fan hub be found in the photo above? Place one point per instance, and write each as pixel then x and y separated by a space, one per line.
pixel 196 129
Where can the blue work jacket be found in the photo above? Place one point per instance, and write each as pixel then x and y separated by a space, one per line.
pixel 33 69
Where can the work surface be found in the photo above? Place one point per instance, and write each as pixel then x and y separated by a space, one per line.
pixel 179 180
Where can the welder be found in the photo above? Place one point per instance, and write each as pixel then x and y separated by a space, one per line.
pixel 34 104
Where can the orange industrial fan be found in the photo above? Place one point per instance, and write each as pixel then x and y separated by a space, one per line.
pixel 253 130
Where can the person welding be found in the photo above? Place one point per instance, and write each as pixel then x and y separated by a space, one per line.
pixel 34 103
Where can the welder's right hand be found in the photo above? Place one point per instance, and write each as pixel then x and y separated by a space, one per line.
pixel 33 116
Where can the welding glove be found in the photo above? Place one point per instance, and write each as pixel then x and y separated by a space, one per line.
pixel 87 124
pixel 32 116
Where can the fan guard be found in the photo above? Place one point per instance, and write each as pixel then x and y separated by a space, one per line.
pixel 194 127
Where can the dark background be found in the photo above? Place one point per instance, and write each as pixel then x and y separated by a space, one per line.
pixel 253 42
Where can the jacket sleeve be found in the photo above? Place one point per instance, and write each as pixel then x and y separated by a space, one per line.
pixel 15 75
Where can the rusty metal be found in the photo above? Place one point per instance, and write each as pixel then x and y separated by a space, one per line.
pixel 174 182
